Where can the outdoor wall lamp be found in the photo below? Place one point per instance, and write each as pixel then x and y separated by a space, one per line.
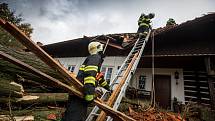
pixel 176 77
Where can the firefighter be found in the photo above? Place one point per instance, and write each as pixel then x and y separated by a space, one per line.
pixel 89 74
pixel 144 23
pixel 92 75
pixel 171 21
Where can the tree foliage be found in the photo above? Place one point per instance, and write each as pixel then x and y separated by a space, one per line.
pixel 10 16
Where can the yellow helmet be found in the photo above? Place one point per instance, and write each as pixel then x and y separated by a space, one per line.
pixel 95 47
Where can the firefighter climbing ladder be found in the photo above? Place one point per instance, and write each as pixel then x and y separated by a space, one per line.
pixel 128 67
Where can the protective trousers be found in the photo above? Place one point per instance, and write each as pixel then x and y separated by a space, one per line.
pixel 76 109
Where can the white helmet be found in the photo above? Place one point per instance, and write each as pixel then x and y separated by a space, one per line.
pixel 95 47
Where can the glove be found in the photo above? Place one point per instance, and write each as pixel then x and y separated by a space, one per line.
pixel 99 92
pixel 99 76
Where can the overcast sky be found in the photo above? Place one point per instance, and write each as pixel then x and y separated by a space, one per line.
pixel 59 20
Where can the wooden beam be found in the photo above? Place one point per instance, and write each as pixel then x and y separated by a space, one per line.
pixel 210 72
pixel 115 114
pixel 113 45
pixel 116 92
pixel 26 41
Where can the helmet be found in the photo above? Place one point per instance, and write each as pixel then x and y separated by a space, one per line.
pixel 142 14
pixel 151 15
pixel 95 47
pixel 171 19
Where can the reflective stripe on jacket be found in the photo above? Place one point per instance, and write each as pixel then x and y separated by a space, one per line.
pixel 90 80
pixel 144 21
pixel 92 67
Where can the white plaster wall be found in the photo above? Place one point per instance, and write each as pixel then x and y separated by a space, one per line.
pixel 108 62
pixel 176 90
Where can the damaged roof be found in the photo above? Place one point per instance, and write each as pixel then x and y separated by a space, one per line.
pixel 191 38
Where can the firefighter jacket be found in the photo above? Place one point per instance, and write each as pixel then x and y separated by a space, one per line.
pixel 144 20
pixel 87 75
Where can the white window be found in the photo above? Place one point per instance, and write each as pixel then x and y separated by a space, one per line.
pixel 142 81
pixel 71 68
pixel 107 72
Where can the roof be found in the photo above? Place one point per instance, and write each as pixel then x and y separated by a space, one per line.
pixel 78 47
pixel 193 38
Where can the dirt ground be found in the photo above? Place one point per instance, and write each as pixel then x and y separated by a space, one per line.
pixel 153 115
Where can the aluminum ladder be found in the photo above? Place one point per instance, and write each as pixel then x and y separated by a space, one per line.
pixel 138 47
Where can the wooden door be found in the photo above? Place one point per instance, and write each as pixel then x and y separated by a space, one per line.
pixel 163 91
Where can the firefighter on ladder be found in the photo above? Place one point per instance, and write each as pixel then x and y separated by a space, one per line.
pixel 89 74
pixel 144 23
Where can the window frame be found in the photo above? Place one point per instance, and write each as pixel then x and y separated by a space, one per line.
pixel 142 82
pixel 106 72
pixel 71 68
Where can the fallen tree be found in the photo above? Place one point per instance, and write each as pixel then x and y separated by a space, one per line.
pixel 38 98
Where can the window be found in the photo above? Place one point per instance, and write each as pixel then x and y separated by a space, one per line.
pixel 71 68
pixel 107 73
pixel 142 82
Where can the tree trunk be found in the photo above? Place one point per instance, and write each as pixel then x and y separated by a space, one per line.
pixel 38 98
pixel 8 88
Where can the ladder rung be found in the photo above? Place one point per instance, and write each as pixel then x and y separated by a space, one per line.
pixel 96 114
pixel 123 69
pixel 135 51
pixel 119 75
pixel 139 46
pixel 129 60
pixel 142 40
pixel 131 57
pixel 139 43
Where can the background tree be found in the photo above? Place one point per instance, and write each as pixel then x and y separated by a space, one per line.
pixel 8 15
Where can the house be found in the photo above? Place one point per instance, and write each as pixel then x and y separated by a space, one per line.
pixel 184 59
